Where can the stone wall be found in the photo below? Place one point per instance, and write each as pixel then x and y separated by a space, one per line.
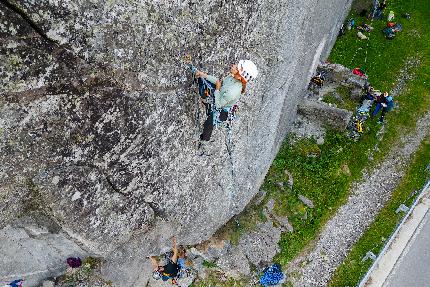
pixel 99 119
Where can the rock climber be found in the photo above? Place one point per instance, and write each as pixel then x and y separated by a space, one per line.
pixel 168 271
pixel 227 93
pixel 385 102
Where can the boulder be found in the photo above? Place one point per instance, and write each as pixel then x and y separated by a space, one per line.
pixel 306 201
pixel 325 114
pixel 99 119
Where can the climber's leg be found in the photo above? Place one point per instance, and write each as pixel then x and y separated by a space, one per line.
pixel 207 128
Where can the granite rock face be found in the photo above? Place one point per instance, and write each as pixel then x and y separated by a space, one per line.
pixel 326 114
pixel 99 119
pixel 34 252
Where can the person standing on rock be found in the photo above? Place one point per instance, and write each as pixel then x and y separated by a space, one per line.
pixel 168 271
pixel 226 93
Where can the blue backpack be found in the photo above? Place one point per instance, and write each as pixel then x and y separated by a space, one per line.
pixel 272 275
pixel 390 103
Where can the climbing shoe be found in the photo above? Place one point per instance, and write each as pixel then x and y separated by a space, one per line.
pixel 203 148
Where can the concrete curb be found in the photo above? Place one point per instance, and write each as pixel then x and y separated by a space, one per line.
pixel 393 249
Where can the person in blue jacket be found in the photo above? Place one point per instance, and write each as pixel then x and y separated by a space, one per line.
pixel 384 102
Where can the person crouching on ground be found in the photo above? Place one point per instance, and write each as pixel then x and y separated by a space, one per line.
pixel 227 92
pixel 168 271
pixel 386 103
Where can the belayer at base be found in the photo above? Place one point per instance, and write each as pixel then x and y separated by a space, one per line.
pixel 172 269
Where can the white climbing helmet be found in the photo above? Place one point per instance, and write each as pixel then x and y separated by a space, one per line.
pixel 247 69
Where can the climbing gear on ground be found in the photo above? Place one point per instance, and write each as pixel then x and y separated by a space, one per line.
pixel 359 126
pixel 356 126
pixel 351 24
pixel 74 262
pixel 398 27
pixel 389 33
pixel 247 69
pixel 342 30
pixel 319 79
pixel 361 36
pixel 365 28
pixel 358 72
pixel 272 275
pixel 390 16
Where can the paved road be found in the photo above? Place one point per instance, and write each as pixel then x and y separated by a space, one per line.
pixel 413 267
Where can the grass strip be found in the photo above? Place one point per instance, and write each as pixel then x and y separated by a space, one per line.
pixel 324 173
pixel 326 177
pixel 353 268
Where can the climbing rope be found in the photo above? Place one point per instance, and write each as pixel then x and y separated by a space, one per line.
pixel 228 123
pixel 375 3
pixel 186 60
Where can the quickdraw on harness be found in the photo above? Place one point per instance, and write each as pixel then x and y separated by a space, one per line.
pixel 231 115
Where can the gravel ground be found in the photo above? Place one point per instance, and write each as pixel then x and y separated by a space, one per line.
pixel 366 200
pixel 405 75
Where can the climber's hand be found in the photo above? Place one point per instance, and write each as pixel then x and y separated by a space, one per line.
pixel 218 85
pixel 200 74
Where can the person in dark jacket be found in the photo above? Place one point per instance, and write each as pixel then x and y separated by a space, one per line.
pixel 384 102
pixel 168 271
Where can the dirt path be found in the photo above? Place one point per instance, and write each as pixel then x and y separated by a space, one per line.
pixel 348 224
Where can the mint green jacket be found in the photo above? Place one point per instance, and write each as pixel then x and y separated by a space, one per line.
pixel 229 93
